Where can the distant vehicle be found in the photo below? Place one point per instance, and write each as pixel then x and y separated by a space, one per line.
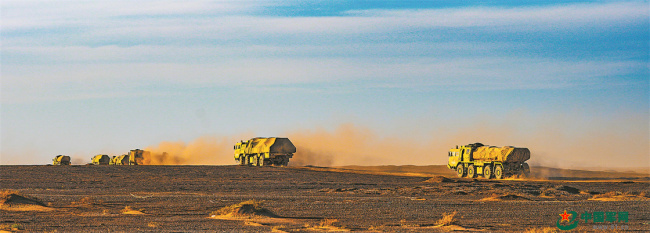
pixel 61 160
pixel 134 157
pixel 490 161
pixel 264 151
pixel 100 160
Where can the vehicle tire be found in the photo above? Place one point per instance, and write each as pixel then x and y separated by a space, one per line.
pixel 242 160
pixel 261 161
pixel 471 171
pixel 460 171
pixel 498 172
pixel 285 161
pixel 279 161
pixel 526 169
pixel 487 171
pixel 257 160
pixel 252 160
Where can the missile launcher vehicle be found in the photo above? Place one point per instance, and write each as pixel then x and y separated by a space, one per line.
pixel 264 151
pixel 489 161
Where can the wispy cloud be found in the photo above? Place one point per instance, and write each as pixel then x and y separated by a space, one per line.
pixel 207 20
pixel 109 44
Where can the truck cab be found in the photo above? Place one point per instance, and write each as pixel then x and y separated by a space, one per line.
pixel 454 158
pixel 240 151
pixel 462 154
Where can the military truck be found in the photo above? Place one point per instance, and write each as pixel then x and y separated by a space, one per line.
pixel 264 151
pixel 134 157
pixel 100 160
pixel 490 161
pixel 61 160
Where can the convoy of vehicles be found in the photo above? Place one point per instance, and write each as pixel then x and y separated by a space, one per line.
pixel 134 157
pixel 469 160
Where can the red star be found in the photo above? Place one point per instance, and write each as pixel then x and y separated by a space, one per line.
pixel 565 216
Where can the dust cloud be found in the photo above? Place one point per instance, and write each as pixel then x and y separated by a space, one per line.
pixel 554 142
pixel 351 145
pixel 206 150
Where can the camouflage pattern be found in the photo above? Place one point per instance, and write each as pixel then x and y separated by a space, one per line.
pixel 134 157
pixel 61 160
pixel 490 161
pixel 264 151
pixel 100 160
pixel 501 154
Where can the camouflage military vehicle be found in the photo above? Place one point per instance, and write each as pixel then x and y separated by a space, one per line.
pixel 100 160
pixel 490 161
pixel 134 157
pixel 264 151
pixel 61 160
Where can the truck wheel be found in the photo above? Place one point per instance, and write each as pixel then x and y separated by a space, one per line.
pixel 261 161
pixel 471 171
pixel 285 161
pixel 242 161
pixel 487 172
pixel 498 172
pixel 526 169
pixel 278 161
pixel 460 171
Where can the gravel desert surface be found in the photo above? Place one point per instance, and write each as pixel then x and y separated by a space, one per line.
pixel 297 199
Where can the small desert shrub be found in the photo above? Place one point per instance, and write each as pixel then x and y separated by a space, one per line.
pixel 604 195
pixel 447 219
pixel 250 207
pixel 16 227
pixel 86 201
pixel 327 222
pixel 278 228
pixel 128 210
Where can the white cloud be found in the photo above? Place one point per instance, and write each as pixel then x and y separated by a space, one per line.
pixel 150 22
pixel 107 44
pixel 25 15
pixel 558 15
pixel 70 81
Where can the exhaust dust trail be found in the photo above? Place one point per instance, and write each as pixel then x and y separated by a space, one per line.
pixel 206 150
pixel 554 142
pixel 347 145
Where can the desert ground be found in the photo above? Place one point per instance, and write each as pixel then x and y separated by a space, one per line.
pixel 82 198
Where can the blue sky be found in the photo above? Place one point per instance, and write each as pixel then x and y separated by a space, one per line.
pixel 561 77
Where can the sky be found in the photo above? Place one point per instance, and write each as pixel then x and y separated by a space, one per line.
pixel 349 82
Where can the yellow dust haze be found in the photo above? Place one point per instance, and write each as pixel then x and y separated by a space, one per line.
pixel 554 142
pixel 206 150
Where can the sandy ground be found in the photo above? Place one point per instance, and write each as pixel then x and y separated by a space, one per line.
pixel 370 199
